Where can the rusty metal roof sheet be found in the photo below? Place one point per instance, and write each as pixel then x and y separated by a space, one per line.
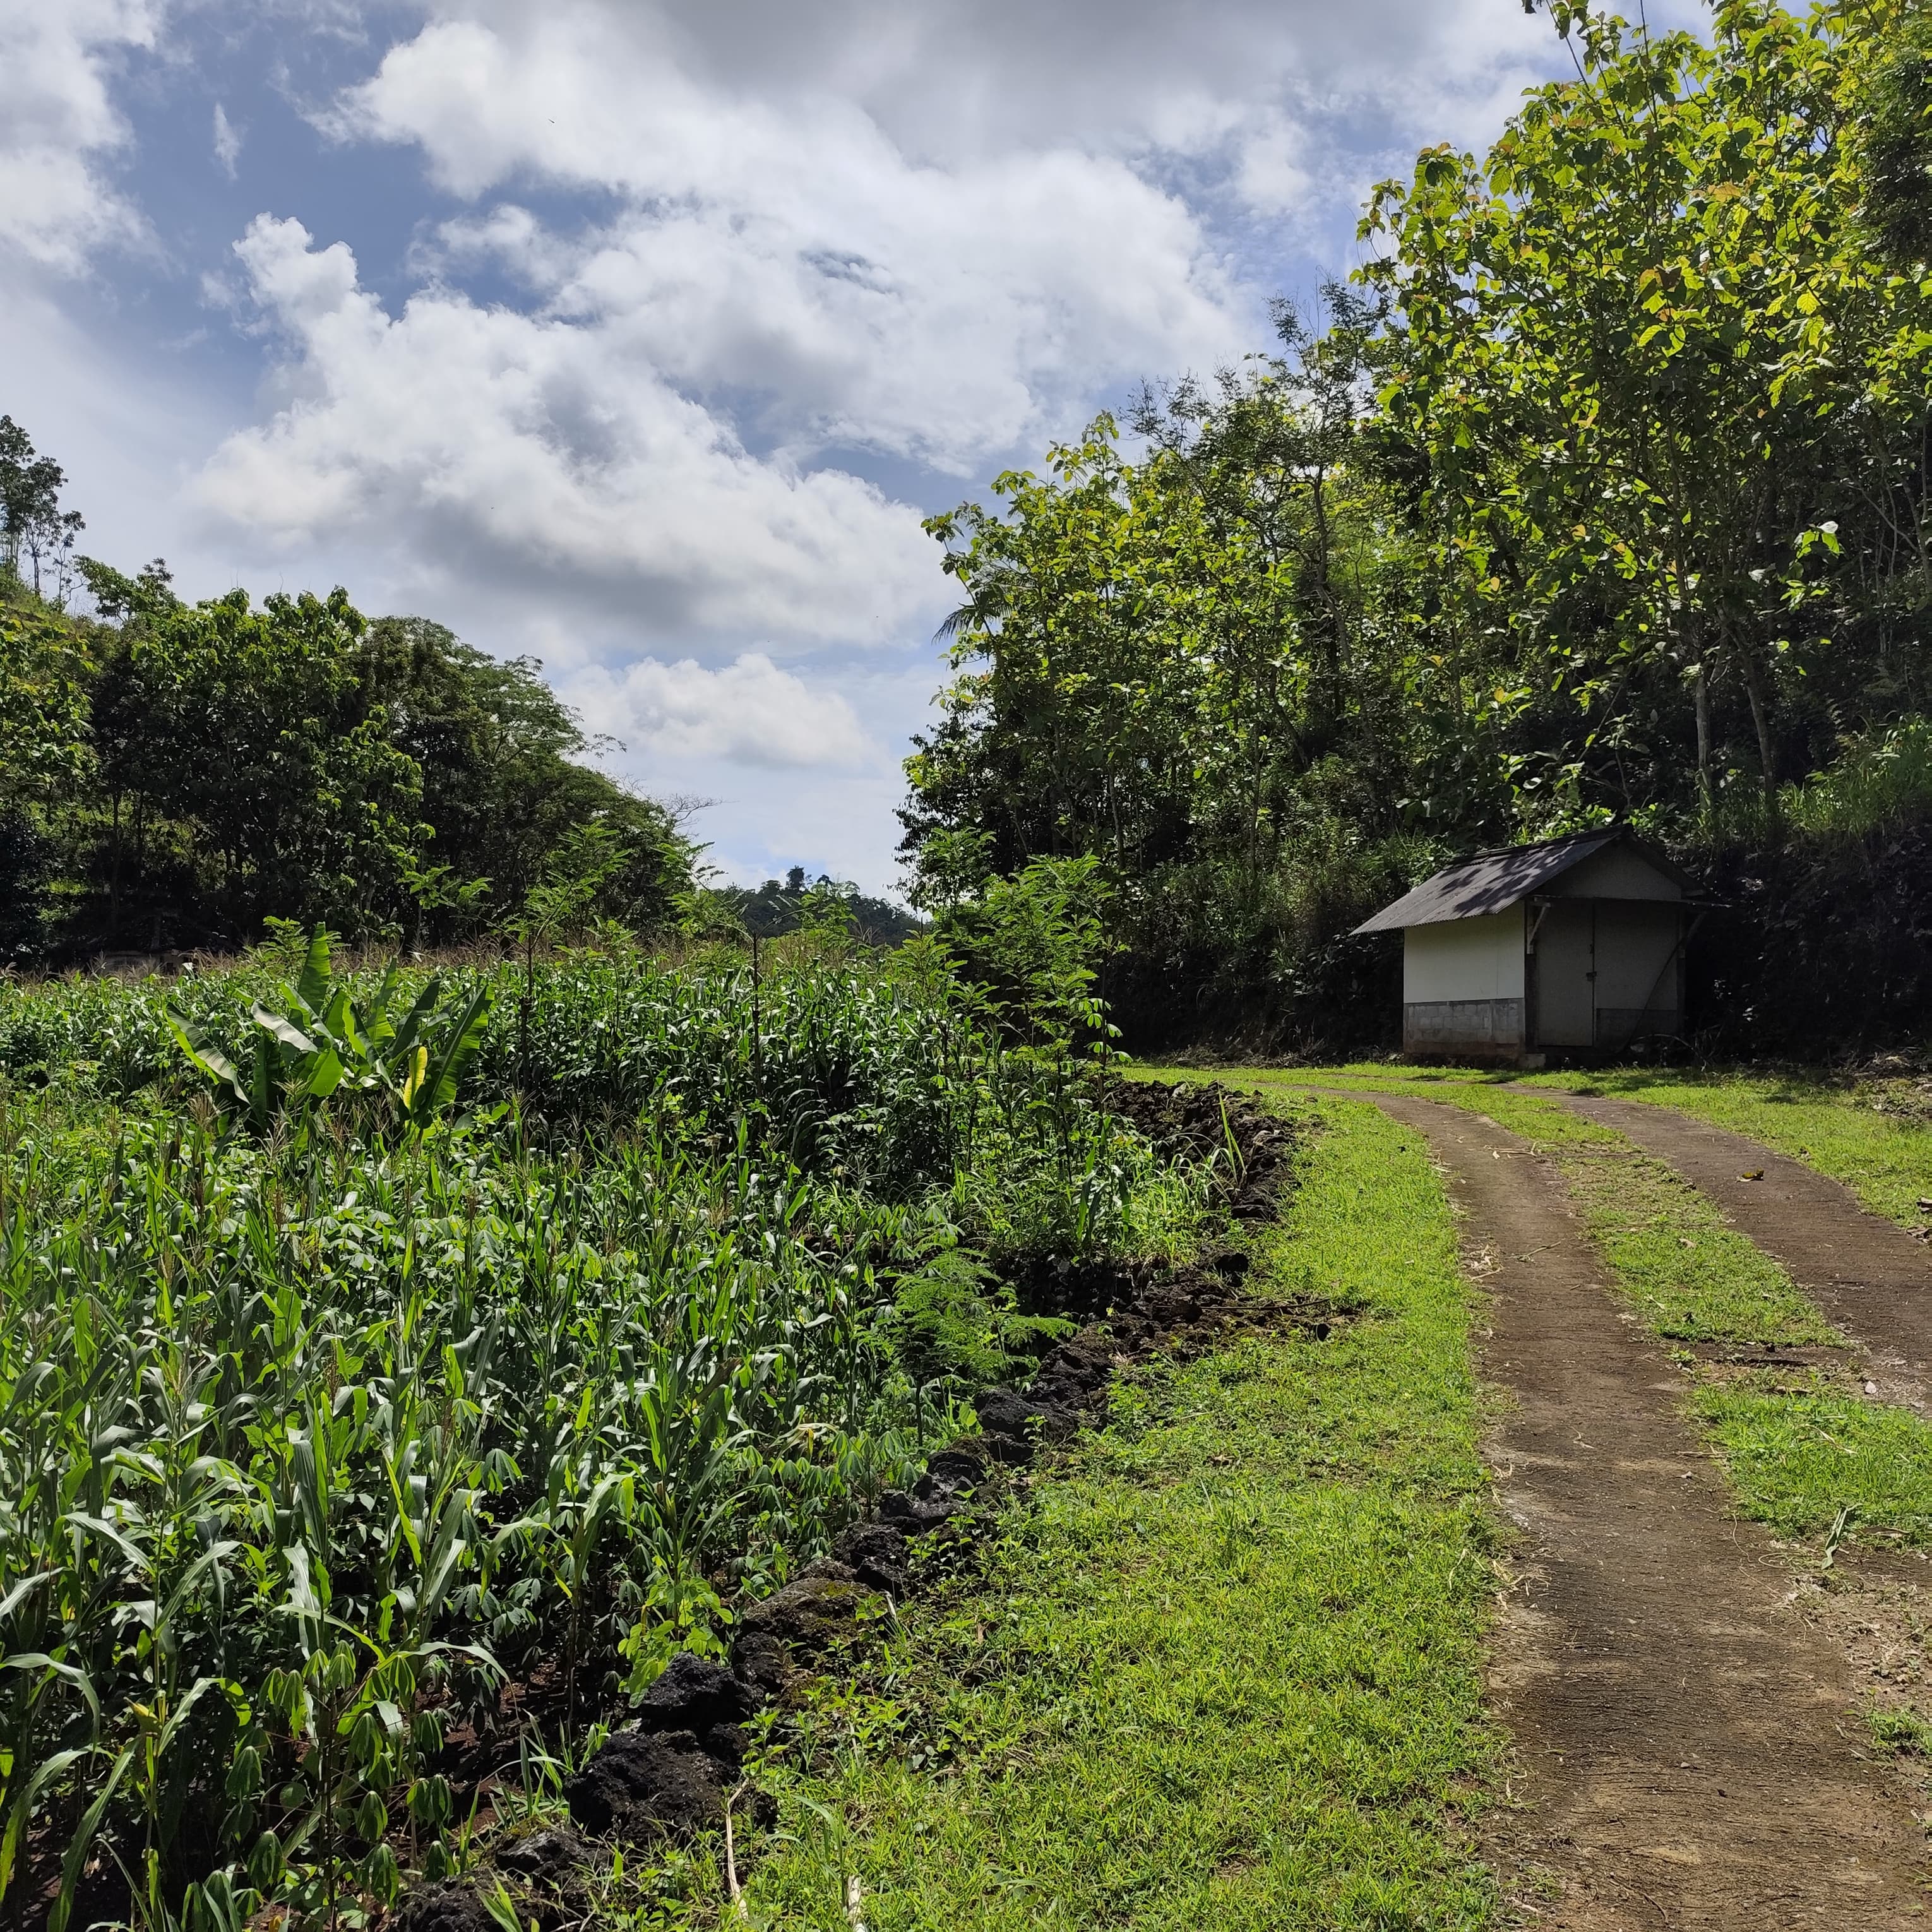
pixel 1494 881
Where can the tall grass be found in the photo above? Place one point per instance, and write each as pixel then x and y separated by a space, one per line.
pixel 313 1441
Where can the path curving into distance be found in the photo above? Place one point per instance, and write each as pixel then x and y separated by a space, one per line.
pixel 1872 1279
pixel 1690 1747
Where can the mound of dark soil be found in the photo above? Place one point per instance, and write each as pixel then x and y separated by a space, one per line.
pixel 646 1785
pixel 551 1857
pixel 444 1908
pixel 797 1625
pixel 693 1694
pixel 1252 1146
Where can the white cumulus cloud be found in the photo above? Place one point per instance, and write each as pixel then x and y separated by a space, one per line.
pixel 58 123
pixel 749 712
pixel 524 445
pixel 789 254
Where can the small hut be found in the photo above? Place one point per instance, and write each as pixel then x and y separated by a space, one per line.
pixel 1572 947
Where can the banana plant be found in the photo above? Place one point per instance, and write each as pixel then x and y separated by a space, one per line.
pixel 323 1043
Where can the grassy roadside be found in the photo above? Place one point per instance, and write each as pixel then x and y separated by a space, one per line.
pixel 1874 1136
pixel 1808 1454
pixel 1223 1669
pixel 1691 1276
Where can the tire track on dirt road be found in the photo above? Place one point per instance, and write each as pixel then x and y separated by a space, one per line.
pixel 1868 1275
pixel 1689 1744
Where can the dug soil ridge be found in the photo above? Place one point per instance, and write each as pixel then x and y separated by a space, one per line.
pixel 1869 1276
pixel 1688 1747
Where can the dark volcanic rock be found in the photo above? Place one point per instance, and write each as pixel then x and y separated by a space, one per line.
pixel 693 1694
pixel 1074 1373
pixel 444 1908
pixel 551 1858
pixel 728 1743
pixel 876 1554
pixel 810 1614
pixel 1014 1423
pixel 1169 1307
pixel 811 1611
pixel 762 1663
pixel 648 1784
pixel 914 1515
pixel 1085 1361
pixel 965 1465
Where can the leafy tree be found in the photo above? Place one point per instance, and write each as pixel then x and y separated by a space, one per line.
pixel 1603 494
pixel 1193 667
pixel 1896 129
pixel 32 523
pixel 1649 370
pixel 44 748
pixel 188 772
pixel 247 725
pixel 504 789
pixel 1032 945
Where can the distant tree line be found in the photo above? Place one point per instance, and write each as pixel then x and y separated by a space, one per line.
pixel 1601 492
pixel 173 774
pixel 792 904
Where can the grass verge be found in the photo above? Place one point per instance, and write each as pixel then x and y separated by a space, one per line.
pixel 1873 1135
pixel 1810 1460
pixel 1806 1453
pixel 1690 1275
pixel 1222 1667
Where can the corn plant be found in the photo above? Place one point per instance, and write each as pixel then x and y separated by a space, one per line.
pixel 371 1339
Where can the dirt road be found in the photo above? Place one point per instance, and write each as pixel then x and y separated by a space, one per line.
pixel 1867 1274
pixel 1690 1747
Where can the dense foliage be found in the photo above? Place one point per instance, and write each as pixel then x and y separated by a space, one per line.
pixel 323 1421
pixel 1602 493
pixel 172 774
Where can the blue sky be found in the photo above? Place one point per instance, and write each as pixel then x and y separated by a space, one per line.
pixel 639 336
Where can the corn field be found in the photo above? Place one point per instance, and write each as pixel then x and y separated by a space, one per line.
pixel 399 1369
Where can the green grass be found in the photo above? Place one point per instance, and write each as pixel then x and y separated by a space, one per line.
pixel 1223 1671
pixel 1873 1136
pixel 1799 1460
pixel 1694 1278
pixel 1691 1276
pixel 1802 1460
pixel 1885 1158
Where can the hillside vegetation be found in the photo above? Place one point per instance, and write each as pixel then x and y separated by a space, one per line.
pixel 172 774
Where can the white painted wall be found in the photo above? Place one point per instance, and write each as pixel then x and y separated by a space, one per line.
pixel 1464 959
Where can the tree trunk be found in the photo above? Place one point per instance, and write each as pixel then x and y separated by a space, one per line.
pixel 1760 712
pixel 1701 692
pixel 114 873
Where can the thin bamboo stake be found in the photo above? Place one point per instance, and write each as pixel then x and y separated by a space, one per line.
pixel 731 1885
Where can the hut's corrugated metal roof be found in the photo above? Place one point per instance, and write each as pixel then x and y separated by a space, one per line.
pixel 1494 881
